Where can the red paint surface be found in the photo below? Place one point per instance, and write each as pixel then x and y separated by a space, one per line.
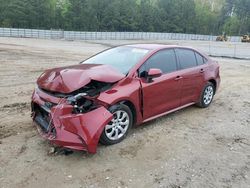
pixel 164 94
pixel 154 72
pixel 71 78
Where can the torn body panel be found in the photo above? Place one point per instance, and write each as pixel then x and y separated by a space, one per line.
pixel 66 80
pixel 71 104
pixel 62 127
pixel 128 90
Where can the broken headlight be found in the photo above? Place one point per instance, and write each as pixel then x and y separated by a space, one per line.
pixel 80 104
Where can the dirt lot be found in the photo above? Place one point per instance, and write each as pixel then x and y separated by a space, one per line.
pixel 190 148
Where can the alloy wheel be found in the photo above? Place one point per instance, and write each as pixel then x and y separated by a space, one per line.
pixel 208 95
pixel 118 126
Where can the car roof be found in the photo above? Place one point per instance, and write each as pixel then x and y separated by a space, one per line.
pixel 154 46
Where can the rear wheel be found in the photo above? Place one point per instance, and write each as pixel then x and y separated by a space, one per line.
pixel 117 129
pixel 207 95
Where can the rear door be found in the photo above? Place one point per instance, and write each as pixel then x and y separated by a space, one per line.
pixel 163 93
pixel 192 75
pixel 203 68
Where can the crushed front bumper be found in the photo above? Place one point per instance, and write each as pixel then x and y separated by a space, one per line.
pixel 58 124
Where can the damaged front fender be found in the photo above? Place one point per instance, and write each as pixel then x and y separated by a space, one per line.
pixel 88 126
pixel 79 131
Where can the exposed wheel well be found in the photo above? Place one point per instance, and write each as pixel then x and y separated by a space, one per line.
pixel 214 83
pixel 132 108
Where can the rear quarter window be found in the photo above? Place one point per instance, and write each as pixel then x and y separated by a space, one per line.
pixel 205 60
pixel 199 58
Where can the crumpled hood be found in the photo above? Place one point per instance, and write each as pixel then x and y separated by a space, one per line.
pixel 68 79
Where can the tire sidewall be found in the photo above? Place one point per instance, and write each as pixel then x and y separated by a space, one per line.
pixel 202 104
pixel 104 139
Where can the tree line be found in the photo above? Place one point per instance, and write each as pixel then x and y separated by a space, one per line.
pixel 178 16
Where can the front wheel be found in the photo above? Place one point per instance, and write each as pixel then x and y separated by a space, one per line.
pixel 117 129
pixel 207 95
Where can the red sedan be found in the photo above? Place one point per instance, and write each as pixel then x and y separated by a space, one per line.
pixel 100 99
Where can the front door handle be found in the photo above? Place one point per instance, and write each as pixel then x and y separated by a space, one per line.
pixel 178 78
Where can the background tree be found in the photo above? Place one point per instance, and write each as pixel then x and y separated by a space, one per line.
pixel 181 16
pixel 206 20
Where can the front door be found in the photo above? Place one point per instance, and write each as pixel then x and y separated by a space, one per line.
pixel 163 93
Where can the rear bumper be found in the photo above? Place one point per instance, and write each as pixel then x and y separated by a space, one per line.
pixel 217 83
pixel 74 131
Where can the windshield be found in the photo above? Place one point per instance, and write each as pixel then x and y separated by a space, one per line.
pixel 121 58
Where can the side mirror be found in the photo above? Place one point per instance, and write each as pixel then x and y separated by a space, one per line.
pixel 153 73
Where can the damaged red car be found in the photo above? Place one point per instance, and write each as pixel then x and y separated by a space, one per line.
pixel 101 98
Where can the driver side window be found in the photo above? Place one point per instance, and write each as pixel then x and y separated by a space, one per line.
pixel 165 60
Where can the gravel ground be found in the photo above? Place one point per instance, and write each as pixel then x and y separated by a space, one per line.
pixel 190 148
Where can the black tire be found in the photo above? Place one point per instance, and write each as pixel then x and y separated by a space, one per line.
pixel 104 139
pixel 205 102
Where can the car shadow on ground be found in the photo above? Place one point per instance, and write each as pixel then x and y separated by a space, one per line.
pixel 135 131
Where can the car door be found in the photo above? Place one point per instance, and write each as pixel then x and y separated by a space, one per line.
pixel 202 68
pixel 163 93
pixel 191 73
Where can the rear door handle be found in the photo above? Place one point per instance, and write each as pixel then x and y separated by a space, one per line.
pixel 202 70
pixel 178 78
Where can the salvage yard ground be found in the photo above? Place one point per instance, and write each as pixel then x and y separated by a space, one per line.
pixel 190 148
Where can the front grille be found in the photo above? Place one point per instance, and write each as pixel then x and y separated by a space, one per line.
pixel 41 121
pixel 49 105
pixel 42 117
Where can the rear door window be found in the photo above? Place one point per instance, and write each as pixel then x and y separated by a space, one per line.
pixel 186 58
